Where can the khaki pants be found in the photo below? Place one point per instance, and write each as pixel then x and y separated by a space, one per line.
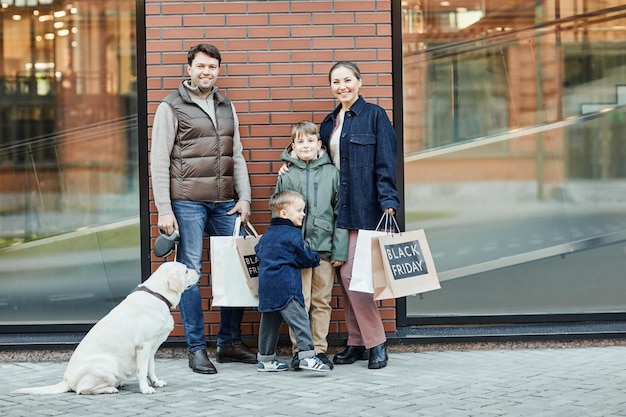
pixel 317 288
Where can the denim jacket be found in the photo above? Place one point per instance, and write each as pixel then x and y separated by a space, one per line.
pixel 367 172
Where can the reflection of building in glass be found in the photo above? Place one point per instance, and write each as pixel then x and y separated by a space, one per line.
pixel 68 159
pixel 510 122
pixel 67 89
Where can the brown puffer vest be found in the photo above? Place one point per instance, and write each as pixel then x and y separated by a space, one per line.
pixel 202 166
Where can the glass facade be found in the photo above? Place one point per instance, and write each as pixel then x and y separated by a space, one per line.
pixel 515 158
pixel 69 197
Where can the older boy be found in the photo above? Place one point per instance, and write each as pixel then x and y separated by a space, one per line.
pixel 312 173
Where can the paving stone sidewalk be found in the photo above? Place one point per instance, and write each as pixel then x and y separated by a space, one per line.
pixel 568 382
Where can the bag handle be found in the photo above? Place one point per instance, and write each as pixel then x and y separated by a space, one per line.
pixel 390 223
pixel 247 227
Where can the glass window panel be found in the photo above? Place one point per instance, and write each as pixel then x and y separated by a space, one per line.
pixel 514 154
pixel 69 198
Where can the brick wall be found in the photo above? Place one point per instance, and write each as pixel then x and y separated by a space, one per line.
pixel 275 61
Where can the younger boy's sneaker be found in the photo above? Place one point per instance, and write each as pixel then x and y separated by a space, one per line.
pixel 314 364
pixel 271 366
pixel 326 360
pixel 295 362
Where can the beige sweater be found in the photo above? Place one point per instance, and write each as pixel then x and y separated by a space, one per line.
pixel 164 131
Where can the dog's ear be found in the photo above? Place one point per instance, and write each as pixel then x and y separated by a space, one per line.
pixel 175 281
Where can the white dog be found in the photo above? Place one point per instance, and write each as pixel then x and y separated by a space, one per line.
pixel 123 343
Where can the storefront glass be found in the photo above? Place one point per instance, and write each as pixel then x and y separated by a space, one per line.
pixel 515 161
pixel 69 198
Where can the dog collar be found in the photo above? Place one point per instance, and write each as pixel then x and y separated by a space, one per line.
pixel 156 294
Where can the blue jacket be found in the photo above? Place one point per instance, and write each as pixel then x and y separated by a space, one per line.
pixel 282 254
pixel 367 172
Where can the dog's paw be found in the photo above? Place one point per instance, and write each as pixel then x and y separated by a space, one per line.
pixel 148 390
pixel 159 383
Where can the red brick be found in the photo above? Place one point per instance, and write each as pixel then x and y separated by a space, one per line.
pixel 268 6
pixel 361 6
pixel 204 20
pixel 312 6
pixel 382 17
pixel 247 20
pixel 350 30
pixel 308 56
pixel 334 19
pixel 333 43
pixel 290 44
pixel 275 80
pixel 163 21
pixel 216 7
pixel 268 56
pixel 276 57
pixel 183 33
pixel 182 8
pixel 290 93
pixel 289 68
pixel 290 19
pixel 268 33
pixel 311 31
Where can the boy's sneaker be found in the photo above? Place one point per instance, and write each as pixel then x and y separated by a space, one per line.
pixel 314 364
pixel 272 366
pixel 326 360
pixel 295 362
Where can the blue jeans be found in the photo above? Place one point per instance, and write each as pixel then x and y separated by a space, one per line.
pixel 194 219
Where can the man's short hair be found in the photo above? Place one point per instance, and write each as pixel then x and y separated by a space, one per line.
pixel 210 50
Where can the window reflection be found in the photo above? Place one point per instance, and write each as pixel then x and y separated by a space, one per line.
pixel 514 154
pixel 69 240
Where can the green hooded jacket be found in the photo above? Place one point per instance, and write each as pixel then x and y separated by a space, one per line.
pixel 318 182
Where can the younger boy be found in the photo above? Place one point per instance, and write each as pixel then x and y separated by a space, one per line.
pixel 312 174
pixel 282 254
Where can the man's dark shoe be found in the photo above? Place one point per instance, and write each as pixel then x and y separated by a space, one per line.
pixel 324 358
pixel 378 357
pixel 237 353
pixel 199 362
pixel 350 355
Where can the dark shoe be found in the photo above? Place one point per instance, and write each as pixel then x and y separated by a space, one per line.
pixel 295 362
pixel 199 362
pixel 378 357
pixel 237 353
pixel 350 355
pixel 326 360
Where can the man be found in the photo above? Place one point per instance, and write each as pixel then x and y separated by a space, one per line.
pixel 200 182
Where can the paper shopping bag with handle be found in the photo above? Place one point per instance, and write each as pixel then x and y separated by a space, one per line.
pixel 408 265
pixel 249 261
pixel 362 272
pixel 228 280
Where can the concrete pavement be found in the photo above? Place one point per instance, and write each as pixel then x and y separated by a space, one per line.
pixel 543 381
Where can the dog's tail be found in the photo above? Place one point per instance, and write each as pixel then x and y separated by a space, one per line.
pixel 59 388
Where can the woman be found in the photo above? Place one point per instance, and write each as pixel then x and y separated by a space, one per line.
pixel 363 145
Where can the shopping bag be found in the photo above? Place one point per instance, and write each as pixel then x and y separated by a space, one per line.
pixel 362 273
pixel 249 261
pixel 407 263
pixel 228 279
pixel 362 279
